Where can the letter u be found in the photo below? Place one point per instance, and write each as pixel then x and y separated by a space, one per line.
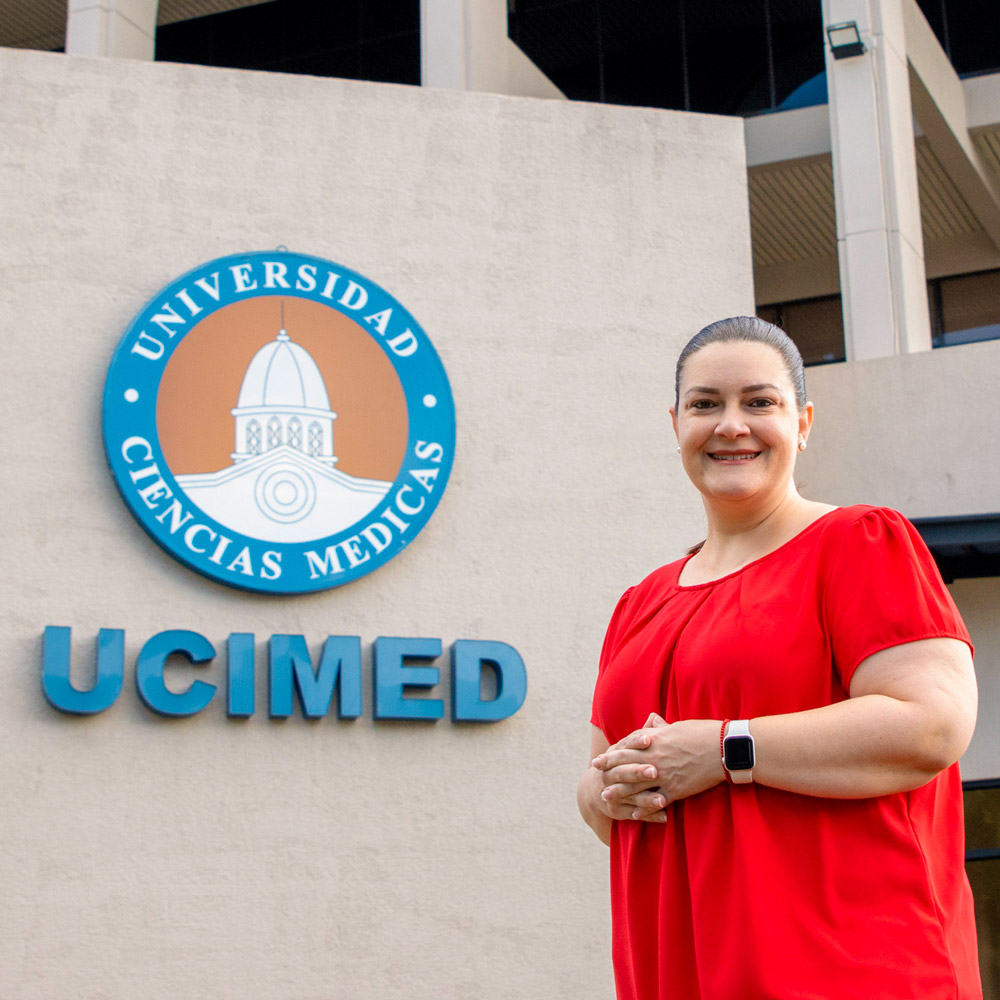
pixel 154 353
pixel 58 688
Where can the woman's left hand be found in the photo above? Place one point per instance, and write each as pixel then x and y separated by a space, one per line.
pixel 685 755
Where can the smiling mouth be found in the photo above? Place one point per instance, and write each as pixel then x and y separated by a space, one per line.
pixel 733 456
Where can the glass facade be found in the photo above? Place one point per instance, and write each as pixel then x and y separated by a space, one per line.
pixel 720 56
pixel 375 40
pixel 730 57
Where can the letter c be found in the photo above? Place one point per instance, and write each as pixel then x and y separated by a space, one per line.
pixel 149 672
pixel 190 534
pixel 129 443
pixel 406 508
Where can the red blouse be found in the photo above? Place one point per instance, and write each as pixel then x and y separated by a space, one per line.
pixel 751 892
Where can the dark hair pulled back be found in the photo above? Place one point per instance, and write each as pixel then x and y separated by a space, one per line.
pixel 753 330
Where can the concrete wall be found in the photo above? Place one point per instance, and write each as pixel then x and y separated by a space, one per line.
pixel 917 432
pixel 557 254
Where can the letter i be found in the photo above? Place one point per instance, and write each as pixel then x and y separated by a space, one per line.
pixel 241 700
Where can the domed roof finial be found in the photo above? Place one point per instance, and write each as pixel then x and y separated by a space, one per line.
pixel 282 333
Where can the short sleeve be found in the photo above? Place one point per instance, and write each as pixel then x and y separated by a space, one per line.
pixel 883 589
pixel 612 638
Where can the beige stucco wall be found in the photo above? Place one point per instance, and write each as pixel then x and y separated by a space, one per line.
pixel 917 432
pixel 557 254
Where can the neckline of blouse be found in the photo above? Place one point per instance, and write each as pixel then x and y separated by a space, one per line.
pixel 736 572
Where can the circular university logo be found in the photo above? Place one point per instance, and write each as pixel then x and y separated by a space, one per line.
pixel 278 422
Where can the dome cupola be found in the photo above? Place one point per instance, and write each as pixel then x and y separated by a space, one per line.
pixel 283 403
pixel 283 374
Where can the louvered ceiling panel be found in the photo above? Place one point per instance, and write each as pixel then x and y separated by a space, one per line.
pixel 943 211
pixel 791 211
pixel 32 24
pixel 987 141
pixel 41 24
pixel 791 204
pixel 184 10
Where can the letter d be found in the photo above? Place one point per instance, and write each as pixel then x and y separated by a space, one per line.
pixel 468 658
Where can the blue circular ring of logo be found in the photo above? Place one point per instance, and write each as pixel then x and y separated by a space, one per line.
pixel 159 502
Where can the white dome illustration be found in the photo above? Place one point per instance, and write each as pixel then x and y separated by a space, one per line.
pixel 283 374
pixel 283 485
pixel 283 401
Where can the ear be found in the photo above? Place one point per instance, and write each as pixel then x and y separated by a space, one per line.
pixel 673 422
pixel 805 420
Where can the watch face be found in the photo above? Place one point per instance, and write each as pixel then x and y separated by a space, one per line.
pixel 738 753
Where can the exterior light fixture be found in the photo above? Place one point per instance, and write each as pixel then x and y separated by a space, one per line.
pixel 845 40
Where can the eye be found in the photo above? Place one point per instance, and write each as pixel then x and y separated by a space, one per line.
pixel 702 404
pixel 762 402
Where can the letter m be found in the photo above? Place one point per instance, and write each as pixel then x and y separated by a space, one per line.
pixel 339 666
pixel 326 566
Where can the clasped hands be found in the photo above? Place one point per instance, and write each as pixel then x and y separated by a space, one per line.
pixel 656 765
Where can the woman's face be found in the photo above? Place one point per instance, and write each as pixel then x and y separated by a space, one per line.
pixel 737 422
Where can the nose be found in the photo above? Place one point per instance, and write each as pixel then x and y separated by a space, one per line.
pixel 731 423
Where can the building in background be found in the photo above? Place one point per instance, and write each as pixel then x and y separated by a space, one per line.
pixel 873 193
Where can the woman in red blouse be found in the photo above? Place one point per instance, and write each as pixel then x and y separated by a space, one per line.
pixel 819 853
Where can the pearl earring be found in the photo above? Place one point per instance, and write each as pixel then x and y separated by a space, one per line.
pixel 678 449
pixel 802 445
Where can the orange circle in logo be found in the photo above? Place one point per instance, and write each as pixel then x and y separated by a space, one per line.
pixel 202 381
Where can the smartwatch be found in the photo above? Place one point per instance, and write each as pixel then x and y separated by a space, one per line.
pixel 737 752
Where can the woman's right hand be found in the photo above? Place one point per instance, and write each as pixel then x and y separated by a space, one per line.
pixel 600 803
pixel 632 798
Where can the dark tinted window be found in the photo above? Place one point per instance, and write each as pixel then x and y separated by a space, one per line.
pixel 358 39
pixel 968 30
pixel 816 326
pixel 982 863
pixel 965 308
pixel 720 56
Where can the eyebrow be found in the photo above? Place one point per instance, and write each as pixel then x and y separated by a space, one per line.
pixel 709 390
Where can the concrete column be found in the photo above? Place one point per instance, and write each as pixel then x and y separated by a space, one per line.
pixel 122 28
pixel 464 46
pixel 879 237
